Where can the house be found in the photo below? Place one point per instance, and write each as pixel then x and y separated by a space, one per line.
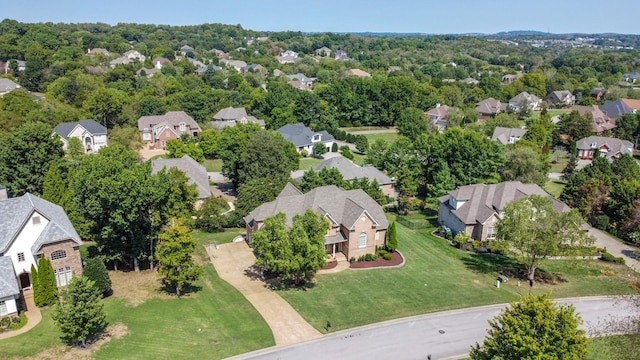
pixel 598 93
pixel 9 289
pixel 21 65
pixel 304 138
pixel 156 130
pixel 357 222
pixel 7 86
pixel 340 55
pixel 287 59
pixel 631 78
pixel 236 64
pixel 601 122
pixel 509 79
pixel 203 69
pixel 489 107
pixel 289 53
pixel 195 172
pixel 32 227
pixel 561 98
pixel 351 171
pixel 186 49
pixel 616 108
pixel 92 135
pixel 393 68
pixel 232 116
pixel 196 63
pixel 134 55
pixel 476 209
pixel 302 78
pixel 98 51
pixel 357 72
pixel 438 116
pixel 252 68
pixel 507 136
pixel 160 61
pixel 531 101
pixel 300 85
pixel 470 81
pixel 323 51
pixel 611 148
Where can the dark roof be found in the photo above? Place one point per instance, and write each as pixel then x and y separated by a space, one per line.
pixel 65 128
pixel 15 212
pixel 351 171
pixel 8 281
pixel 196 173
pixel 343 206
pixel 301 135
pixel 615 108
pixel 482 201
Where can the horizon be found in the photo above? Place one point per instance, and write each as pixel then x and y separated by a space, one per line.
pixel 333 16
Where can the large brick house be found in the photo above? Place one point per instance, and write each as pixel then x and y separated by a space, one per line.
pixel 156 130
pixel 31 227
pixel 611 148
pixel 357 222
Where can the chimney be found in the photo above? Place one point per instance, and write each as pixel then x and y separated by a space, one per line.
pixel 437 105
pixel 3 193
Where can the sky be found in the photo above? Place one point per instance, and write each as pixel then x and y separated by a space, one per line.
pixel 420 16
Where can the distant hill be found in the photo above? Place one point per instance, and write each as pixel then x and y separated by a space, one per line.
pixel 523 33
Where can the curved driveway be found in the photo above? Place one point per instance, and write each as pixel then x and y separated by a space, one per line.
pixel 444 335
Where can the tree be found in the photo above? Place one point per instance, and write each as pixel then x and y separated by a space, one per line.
pixel 412 122
pixel 106 105
pixel 208 217
pixel 575 125
pixel 79 313
pixel 533 230
pixel 362 144
pixel 174 253
pixel 96 271
pixel 35 59
pixel 294 253
pixel 255 192
pixel 534 328
pixel 208 142
pixel 25 155
pixel 177 148
pixel 334 147
pixel 35 285
pixel 392 237
pixel 319 149
pixel 75 148
pixel 568 170
pixel 524 164
pixel 346 152
pixel 46 292
pixel 125 136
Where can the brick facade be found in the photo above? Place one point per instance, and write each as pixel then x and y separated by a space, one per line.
pixel 71 260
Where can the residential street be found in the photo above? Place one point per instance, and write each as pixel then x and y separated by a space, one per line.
pixel 616 248
pixel 444 335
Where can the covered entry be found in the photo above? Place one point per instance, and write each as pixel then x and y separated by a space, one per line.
pixel 25 280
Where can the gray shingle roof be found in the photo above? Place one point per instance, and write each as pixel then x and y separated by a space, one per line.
pixel 345 207
pixel 301 135
pixel 615 108
pixel 15 212
pixel 172 119
pixel 8 281
pixel 65 128
pixel 7 85
pixel 196 173
pixel 615 145
pixel 489 106
pixel 482 201
pixel 351 171
pixel 503 134
pixel 230 113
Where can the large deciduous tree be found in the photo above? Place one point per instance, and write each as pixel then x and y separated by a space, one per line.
pixel 534 328
pixel 532 230
pixel 267 155
pixel 412 122
pixel 174 253
pixel 25 155
pixel 106 105
pixel 293 253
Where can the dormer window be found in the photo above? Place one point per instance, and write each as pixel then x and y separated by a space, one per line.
pixel 316 137
pixel 183 126
pixel 593 145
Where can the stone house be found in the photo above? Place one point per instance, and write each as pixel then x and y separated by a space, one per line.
pixel 156 130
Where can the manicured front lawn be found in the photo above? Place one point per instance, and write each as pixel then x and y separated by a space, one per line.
pixel 554 187
pixel 213 165
pixel 365 128
pixel 308 162
pixel 613 347
pixel 436 277
pixel 216 320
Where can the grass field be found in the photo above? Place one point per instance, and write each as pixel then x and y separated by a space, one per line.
pixel 364 128
pixel 213 165
pixel 554 187
pixel 308 162
pixel 613 347
pixel 552 112
pixel 388 137
pixel 216 320
pixel 559 159
pixel 437 277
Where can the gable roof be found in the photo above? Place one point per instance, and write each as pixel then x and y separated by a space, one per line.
pixel 15 212
pixel 8 281
pixel 489 106
pixel 7 85
pixel 503 134
pixel 616 108
pixel 524 97
pixel 342 206
pixel 301 77
pixel 230 113
pixel 351 171
pixel 560 95
pixel 614 145
pixel 357 72
pixel 482 201
pixel 172 119
pixel 600 122
pixel 196 173
pixel 66 128
pixel 632 103
pixel 301 135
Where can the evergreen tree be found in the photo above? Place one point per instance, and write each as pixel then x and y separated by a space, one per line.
pixel 55 189
pixel 392 238
pixel 570 168
pixel 35 285
pixel 79 312
pixel 174 253
pixel 96 271
pixel 46 282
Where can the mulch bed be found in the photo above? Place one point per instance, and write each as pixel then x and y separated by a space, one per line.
pixel 330 265
pixel 396 259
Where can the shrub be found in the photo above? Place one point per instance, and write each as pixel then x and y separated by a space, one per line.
pixel 47 291
pixel 18 321
pixel 602 222
pixel 334 147
pixel 352 260
pixel 392 237
pixel 387 256
pixel 607 257
pixel 607 272
pixel 96 271
pixel 619 260
pixel 382 252
pixel 461 239
pixel 304 153
pixel 368 257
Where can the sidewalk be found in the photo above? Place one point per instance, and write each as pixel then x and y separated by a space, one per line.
pixel 33 317
pixel 234 264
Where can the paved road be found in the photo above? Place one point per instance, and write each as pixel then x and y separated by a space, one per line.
pixel 616 248
pixel 445 335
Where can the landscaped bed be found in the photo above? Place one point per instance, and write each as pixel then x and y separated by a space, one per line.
pixel 396 260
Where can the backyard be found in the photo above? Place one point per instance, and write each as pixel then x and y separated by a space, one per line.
pixel 217 320
pixel 439 277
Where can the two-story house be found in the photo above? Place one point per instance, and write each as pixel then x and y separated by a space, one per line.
pixel 304 138
pixel 156 130
pixel 92 135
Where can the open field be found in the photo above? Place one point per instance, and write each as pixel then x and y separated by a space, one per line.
pixel 217 320
pixel 388 137
pixel 438 277
pixel 365 128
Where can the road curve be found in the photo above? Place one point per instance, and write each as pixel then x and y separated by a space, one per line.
pixel 443 335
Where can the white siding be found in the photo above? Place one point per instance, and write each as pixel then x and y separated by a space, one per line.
pixel 23 242
pixel 11 305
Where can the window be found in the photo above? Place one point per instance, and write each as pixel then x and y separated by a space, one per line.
pixel 377 235
pixel 316 137
pixel 183 126
pixel 146 136
pixel 3 308
pixel 63 276
pixel 35 220
pixel 58 254
pixel 491 233
pixel 363 240
pixel 21 256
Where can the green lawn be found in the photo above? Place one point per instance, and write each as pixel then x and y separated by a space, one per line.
pixel 308 162
pixel 388 137
pixel 552 112
pixel 364 128
pixel 213 165
pixel 554 187
pixel 436 277
pixel 613 347
pixel 217 321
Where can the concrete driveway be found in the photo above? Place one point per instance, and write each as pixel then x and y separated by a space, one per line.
pixel 616 248
pixel 234 264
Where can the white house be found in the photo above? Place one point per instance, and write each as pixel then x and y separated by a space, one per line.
pixel 9 291
pixel 304 138
pixel 92 135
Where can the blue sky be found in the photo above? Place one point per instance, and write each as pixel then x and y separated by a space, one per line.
pixel 425 16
